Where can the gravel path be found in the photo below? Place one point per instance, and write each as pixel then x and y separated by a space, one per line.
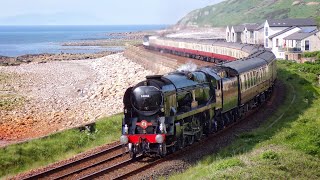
pixel 65 94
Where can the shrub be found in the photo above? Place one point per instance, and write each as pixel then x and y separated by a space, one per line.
pixel 228 163
pixel 311 54
pixel 270 155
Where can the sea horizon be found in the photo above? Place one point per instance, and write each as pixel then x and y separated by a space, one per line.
pixel 17 40
pixel 85 25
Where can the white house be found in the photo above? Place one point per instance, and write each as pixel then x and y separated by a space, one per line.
pixel 228 34
pixel 248 33
pixel 259 35
pixel 277 29
pixel 299 42
pixel 273 26
pixel 236 33
pixel 275 34
pixel 277 41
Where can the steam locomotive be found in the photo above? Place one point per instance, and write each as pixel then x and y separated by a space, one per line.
pixel 168 112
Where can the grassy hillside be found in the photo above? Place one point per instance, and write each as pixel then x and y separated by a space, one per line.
pixel 287 146
pixel 233 12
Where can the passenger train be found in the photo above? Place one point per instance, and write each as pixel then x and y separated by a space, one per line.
pixel 164 113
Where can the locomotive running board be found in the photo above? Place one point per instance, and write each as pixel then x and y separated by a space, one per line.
pixel 191 133
pixel 195 111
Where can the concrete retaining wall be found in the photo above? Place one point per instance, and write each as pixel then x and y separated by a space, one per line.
pixel 157 63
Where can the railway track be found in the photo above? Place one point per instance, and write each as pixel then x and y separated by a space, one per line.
pixel 84 166
pixel 125 169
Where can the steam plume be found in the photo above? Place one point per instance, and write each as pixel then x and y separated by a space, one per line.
pixel 188 67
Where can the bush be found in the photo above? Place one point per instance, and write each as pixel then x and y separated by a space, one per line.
pixel 270 155
pixel 313 68
pixel 228 163
pixel 311 54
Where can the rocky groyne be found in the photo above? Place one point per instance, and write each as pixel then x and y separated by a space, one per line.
pixel 114 39
pixel 46 57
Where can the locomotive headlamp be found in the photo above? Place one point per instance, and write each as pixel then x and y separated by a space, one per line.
pixel 161 128
pixel 126 129
pixel 159 138
pixel 130 146
pixel 124 139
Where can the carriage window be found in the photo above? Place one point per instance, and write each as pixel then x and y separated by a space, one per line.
pixel 245 82
pixel 248 80
pixel 241 82
pixel 259 75
pixel 251 74
pixel 252 79
pixel 255 77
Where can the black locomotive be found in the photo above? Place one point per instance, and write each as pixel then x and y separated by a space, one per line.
pixel 167 112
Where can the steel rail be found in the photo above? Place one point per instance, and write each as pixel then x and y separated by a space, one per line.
pixel 71 164
pixel 90 166
pixel 110 169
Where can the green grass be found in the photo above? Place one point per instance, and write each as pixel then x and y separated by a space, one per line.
pixel 282 148
pixel 25 156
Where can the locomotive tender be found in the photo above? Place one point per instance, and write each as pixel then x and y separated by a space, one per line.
pixel 167 112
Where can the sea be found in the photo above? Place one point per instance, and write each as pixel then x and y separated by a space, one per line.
pixel 20 40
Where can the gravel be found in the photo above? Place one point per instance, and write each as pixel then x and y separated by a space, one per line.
pixel 65 94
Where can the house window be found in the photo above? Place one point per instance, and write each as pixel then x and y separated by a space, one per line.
pixel 266 42
pixel 266 31
pixel 277 42
pixel 307 45
pixel 299 44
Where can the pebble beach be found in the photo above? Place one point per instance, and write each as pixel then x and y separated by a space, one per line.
pixel 59 95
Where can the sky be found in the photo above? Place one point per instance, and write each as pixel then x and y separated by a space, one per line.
pixel 96 12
